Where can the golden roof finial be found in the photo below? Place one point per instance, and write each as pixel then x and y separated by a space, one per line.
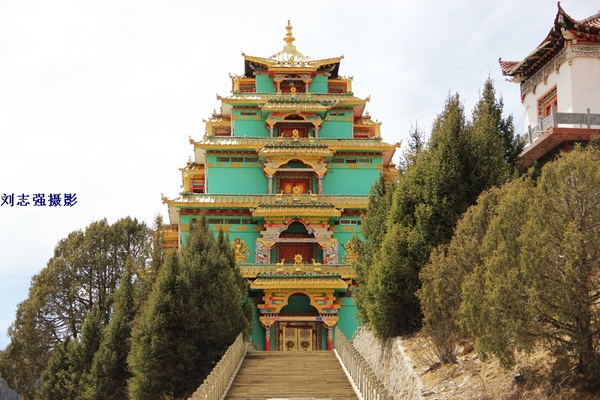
pixel 289 39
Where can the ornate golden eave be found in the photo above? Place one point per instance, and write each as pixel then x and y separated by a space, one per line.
pixel 295 211
pixel 298 283
pixel 262 98
pixel 206 201
pixel 253 271
pixel 300 152
pixel 257 143
pixel 294 106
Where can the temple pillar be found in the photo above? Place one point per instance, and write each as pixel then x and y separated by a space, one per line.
pixel 270 178
pixel 307 81
pixel 320 185
pixel 267 338
pixel 330 324
pixel 267 324
pixel 278 80
pixel 271 130
pixel 330 338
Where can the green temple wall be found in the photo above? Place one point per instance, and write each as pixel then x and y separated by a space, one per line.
pixel 350 181
pixel 241 179
pixel 250 127
pixel 258 332
pixel 337 127
pixel 264 84
pixel 348 322
pixel 318 84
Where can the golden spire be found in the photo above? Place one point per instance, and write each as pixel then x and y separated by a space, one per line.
pixel 289 39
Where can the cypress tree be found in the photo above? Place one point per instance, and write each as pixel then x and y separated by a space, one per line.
pixel 461 160
pixel 373 230
pixel 109 373
pixel 194 312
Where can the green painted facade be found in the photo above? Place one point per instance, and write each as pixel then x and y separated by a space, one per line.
pixel 285 169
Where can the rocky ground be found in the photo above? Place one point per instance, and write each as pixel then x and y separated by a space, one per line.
pixel 469 378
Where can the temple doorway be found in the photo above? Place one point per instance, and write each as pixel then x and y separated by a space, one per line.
pixel 298 336
pixel 298 330
pixel 293 243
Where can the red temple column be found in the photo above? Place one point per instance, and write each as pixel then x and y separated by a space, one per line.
pixel 268 338
pixel 329 338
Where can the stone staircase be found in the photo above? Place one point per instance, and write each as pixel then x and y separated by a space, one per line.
pixel 278 374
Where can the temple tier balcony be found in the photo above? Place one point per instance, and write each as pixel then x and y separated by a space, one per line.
pixel 556 129
pixel 251 271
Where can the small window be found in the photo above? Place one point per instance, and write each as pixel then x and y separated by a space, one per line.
pixel 251 159
pixel 248 113
pixel 349 222
pixel 350 160
pixel 364 160
pixel 237 159
pixel 337 160
pixel 247 221
pixel 214 221
pixel 222 159
pixel 232 220
pixel 546 102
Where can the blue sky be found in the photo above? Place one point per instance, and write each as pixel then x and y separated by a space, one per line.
pixel 98 99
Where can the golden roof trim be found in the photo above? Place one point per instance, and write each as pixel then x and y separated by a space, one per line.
pixel 318 97
pixel 199 200
pixel 298 283
pixel 292 151
pixel 256 143
pixel 275 210
pixel 345 271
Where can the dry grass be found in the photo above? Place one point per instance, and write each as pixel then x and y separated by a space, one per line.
pixel 472 378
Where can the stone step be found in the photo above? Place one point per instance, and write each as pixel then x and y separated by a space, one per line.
pixel 287 375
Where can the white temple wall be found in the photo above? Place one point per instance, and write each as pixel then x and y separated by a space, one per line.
pixel 586 85
pixel 562 81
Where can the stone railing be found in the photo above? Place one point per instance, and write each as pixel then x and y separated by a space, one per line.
pixel 574 120
pixel 217 383
pixel 359 372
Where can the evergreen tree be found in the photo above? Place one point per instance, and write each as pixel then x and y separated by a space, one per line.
pixel 461 160
pixel 60 376
pixel 373 231
pixel 421 217
pixel 155 342
pixel 561 259
pixel 82 275
pixel 443 277
pixel 109 373
pixel 494 299
pixel 66 374
pixel 195 311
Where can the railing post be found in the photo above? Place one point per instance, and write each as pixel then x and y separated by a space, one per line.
pixel 588 118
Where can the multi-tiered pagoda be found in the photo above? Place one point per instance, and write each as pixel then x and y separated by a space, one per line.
pixel 560 87
pixel 285 168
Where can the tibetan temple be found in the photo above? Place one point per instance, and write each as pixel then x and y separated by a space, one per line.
pixel 285 168
pixel 560 83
